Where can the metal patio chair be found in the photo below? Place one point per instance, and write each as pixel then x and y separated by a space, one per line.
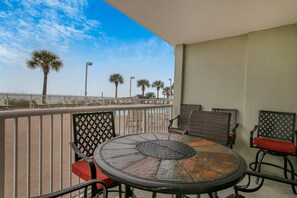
pixel 274 135
pixel 89 131
pixel 183 118
pixel 233 124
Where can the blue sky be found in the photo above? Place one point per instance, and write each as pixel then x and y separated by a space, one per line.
pixel 78 31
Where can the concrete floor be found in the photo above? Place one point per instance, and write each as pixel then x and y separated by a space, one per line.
pixel 270 189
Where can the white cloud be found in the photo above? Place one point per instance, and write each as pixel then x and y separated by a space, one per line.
pixel 12 56
pixel 51 24
pixel 70 7
pixel 3 15
pixel 6 35
pixel 149 50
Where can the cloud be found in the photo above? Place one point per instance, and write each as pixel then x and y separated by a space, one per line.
pixel 51 24
pixel 71 8
pixel 13 56
pixel 139 52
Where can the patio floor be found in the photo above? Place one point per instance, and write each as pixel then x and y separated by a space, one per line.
pixel 270 189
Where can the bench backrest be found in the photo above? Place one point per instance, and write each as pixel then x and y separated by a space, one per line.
pixel 233 118
pixel 212 126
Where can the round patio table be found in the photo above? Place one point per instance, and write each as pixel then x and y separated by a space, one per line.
pixel 170 163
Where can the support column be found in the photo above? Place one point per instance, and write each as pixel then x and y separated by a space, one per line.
pixel 178 78
pixel 2 156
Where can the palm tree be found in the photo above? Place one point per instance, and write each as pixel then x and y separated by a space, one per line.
pixel 143 83
pixel 158 84
pixel 47 61
pixel 166 91
pixel 116 79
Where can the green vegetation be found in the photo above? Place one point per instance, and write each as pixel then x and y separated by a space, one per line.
pixel 149 95
pixel 19 103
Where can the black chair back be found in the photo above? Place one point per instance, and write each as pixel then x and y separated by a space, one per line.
pixel 276 125
pixel 92 129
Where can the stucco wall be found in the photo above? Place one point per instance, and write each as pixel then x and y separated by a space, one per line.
pixel 248 72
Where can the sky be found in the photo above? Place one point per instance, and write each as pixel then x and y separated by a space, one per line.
pixel 78 31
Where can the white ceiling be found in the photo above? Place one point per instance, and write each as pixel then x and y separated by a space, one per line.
pixel 193 21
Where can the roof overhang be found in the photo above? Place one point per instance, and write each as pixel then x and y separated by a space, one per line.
pixel 194 21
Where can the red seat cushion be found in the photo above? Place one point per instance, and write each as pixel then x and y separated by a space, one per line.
pixel 82 169
pixel 275 145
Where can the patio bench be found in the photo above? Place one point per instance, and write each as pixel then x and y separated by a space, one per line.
pixel 211 126
pixel 233 123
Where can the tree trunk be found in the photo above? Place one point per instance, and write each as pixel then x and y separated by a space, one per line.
pixel 158 89
pixel 143 91
pixel 116 92
pixel 44 88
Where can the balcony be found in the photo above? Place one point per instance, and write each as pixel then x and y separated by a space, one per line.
pixel 34 143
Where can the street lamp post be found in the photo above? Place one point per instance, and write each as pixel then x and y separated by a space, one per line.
pixel 132 77
pixel 86 80
pixel 170 91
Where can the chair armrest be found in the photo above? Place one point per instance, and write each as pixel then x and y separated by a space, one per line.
pixel 75 188
pixel 252 135
pixel 233 130
pixel 233 137
pixel 84 157
pixel 171 121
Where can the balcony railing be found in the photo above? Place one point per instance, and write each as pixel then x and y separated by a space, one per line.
pixel 34 144
pixel 24 101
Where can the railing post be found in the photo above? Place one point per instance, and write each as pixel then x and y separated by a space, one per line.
pixel 144 121
pixel 30 102
pixel 2 156
pixel 7 103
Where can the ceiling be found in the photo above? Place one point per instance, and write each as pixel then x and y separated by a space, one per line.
pixel 194 21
